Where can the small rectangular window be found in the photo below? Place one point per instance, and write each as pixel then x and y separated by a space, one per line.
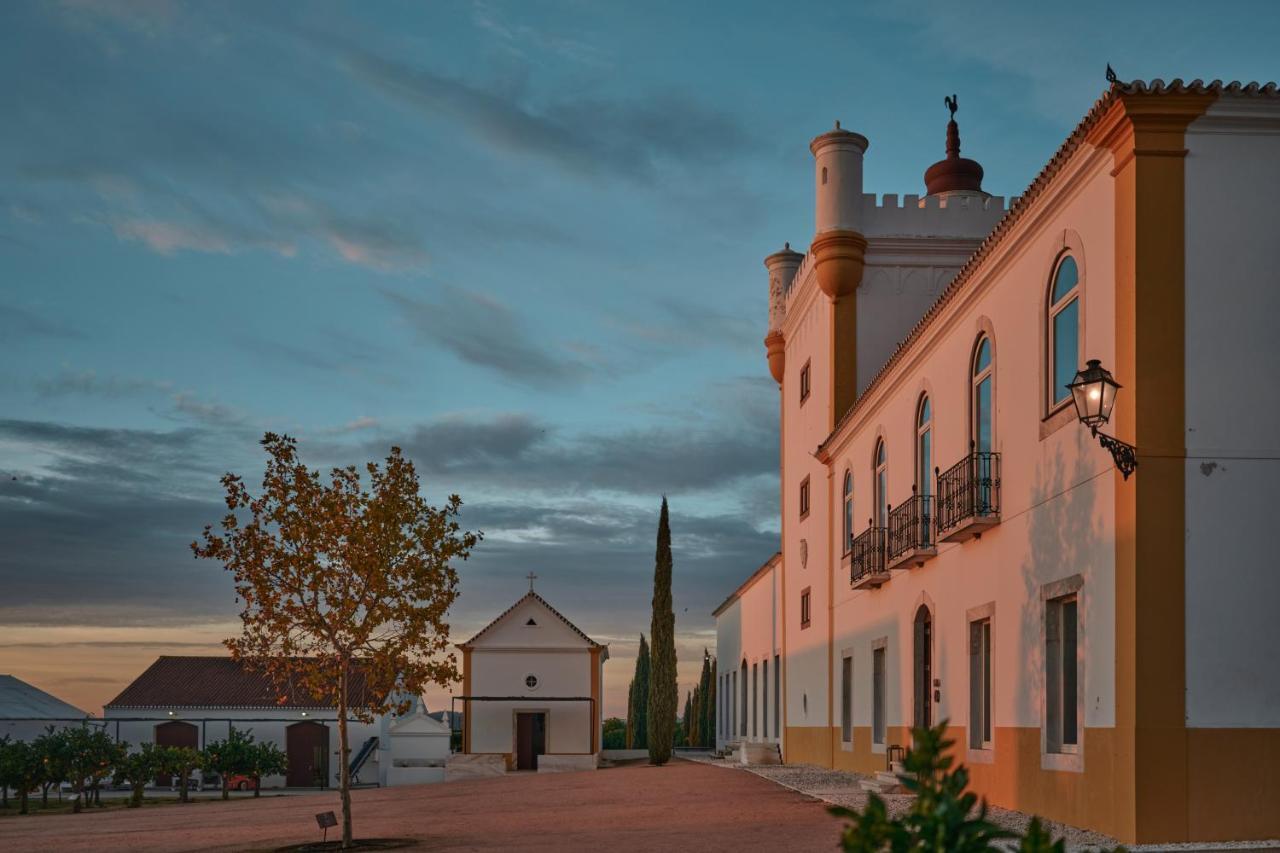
pixel 980 684
pixel 804 497
pixel 764 695
pixel 877 697
pixel 846 699
pixel 804 383
pixel 777 696
pixel 1062 676
pixel 755 700
pixel 733 699
pixel 804 608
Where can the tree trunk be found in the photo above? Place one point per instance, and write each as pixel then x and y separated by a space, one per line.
pixel 78 802
pixel 182 787
pixel 22 801
pixel 44 795
pixel 135 801
pixel 226 787
pixel 344 777
pixel 257 786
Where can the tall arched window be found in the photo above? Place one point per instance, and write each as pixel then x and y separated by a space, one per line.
pixel 1064 329
pixel 982 395
pixel 848 511
pixel 881 484
pixel 924 466
pixel 924 447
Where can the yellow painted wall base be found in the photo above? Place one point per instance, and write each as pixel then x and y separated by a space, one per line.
pixel 1234 778
pixel 807 745
pixel 1233 784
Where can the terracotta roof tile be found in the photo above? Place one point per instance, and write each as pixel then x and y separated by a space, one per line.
pixel 1037 186
pixel 217 682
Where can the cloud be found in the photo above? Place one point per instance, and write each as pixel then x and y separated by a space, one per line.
pixel 482 331
pixel 89 383
pixel 586 135
pixel 18 322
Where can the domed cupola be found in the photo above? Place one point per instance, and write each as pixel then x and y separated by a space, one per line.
pixel 955 174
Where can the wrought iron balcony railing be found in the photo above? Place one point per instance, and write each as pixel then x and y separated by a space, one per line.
pixel 969 496
pixel 867 558
pixel 911 529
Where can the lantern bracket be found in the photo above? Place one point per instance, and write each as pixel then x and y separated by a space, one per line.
pixel 1124 454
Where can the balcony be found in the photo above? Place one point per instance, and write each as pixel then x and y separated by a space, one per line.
pixel 911 539
pixel 866 559
pixel 969 497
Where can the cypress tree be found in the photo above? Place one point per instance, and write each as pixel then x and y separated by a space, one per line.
pixel 709 707
pixel 631 712
pixel 706 734
pixel 689 717
pixel 695 718
pixel 663 691
pixel 640 698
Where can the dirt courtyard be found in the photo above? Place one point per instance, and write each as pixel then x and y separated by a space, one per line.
pixel 684 805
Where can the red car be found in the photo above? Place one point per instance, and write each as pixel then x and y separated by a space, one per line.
pixel 240 783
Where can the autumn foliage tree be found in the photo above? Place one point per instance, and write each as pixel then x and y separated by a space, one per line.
pixel 337 577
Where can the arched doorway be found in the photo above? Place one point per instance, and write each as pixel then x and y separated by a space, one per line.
pixel 176 733
pixel 307 745
pixel 923 668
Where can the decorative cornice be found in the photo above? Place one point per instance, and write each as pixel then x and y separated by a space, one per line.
pixel 1098 115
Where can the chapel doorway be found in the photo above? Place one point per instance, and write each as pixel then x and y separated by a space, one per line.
pixel 923 668
pixel 531 738
pixel 175 733
pixel 307 746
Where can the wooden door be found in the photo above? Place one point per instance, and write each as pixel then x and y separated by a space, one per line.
pixel 923 668
pixel 531 739
pixel 307 747
pixel 175 733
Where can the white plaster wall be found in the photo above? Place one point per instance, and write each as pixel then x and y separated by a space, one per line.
pixel 1232 415
pixel 1057 491
pixel 501 672
pixel 728 656
pixel 265 725
pixel 759 609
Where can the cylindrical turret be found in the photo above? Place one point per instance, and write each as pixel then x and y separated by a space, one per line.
pixel 837 165
pixel 782 268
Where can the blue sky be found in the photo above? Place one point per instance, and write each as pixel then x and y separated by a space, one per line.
pixel 521 240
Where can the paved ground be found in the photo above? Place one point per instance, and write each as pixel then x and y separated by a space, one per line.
pixel 684 805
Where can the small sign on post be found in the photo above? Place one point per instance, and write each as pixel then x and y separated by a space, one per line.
pixel 326 820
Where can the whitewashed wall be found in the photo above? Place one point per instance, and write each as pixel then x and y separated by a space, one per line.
pixel 1233 415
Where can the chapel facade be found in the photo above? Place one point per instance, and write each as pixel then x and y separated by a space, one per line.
pixel 956 546
pixel 531 694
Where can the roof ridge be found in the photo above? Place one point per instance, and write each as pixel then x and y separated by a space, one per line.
pixel 518 602
pixel 1018 206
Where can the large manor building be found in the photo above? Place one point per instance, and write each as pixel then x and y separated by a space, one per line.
pixel 958 546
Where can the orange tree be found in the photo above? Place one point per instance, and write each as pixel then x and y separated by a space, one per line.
pixel 337 578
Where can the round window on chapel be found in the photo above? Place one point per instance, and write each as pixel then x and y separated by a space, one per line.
pixel 531 681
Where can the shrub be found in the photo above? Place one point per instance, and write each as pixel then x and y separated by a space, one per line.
pixel 944 816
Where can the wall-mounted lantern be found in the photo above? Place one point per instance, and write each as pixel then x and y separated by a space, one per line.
pixel 1094 393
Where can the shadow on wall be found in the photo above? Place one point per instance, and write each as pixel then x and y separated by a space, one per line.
pixel 1065 539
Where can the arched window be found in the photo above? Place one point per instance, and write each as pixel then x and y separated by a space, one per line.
pixel 1064 329
pixel 924 447
pixel 848 511
pixel 881 484
pixel 982 404
pixel 924 466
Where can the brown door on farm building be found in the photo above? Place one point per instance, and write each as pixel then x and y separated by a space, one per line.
pixel 307 745
pixel 175 733
pixel 531 739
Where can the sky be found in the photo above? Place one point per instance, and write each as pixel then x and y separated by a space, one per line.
pixel 522 241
